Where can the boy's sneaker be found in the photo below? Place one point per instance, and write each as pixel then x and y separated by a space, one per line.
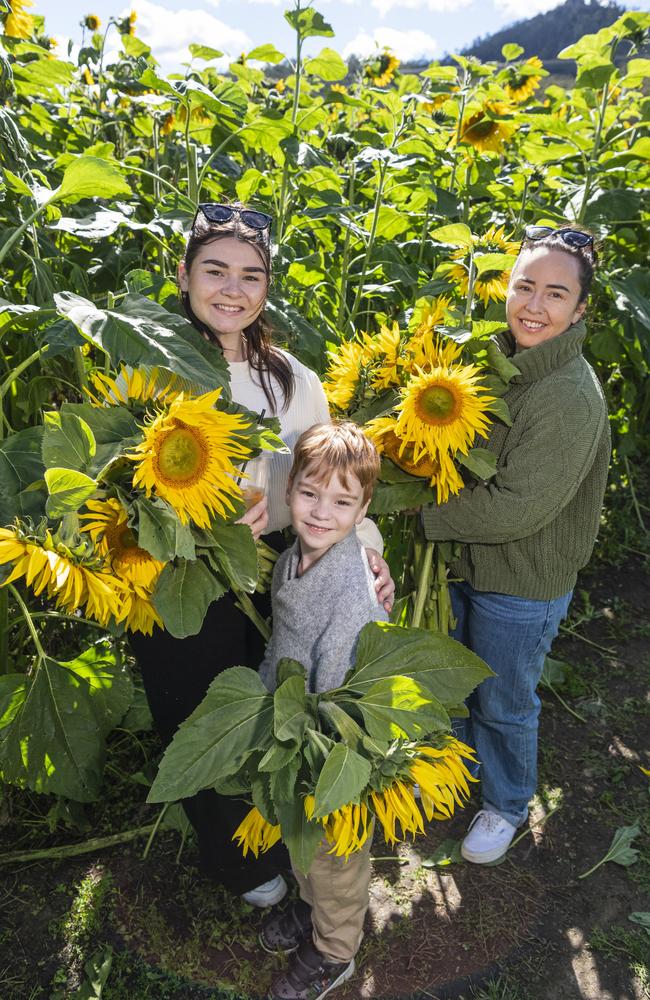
pixel 267 894
pixel 310 976
pixel 488 838
pixel 282 933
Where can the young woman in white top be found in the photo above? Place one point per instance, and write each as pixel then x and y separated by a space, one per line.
pixel 224 280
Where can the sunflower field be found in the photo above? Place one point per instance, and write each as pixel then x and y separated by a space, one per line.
pixel 398 202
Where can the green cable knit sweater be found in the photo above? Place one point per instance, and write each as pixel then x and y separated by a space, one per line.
pixel 530 528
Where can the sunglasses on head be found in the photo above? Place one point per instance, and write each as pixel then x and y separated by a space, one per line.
pixel 572 237
pixel 224 213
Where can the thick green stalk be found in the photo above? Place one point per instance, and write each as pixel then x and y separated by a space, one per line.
pixel 423 582
pixel 345 263
pixel 17 233
pixel 74 850
pixel 19 369
pixel 247 606
pixel 371 241
pixel 4 632
pixel 443 602
pixel 592 163
pixel 459 132
pixel 294 115
pixel 30 624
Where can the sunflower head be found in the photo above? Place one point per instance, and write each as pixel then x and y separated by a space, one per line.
pixel 92 22
pixel 522 81
pixel 255 834
pixel 188 456
pixel 138 386
pixel 343 374
pixel 381 70
pixel 346 829
pixel 18 23
pixel 486 128
pixel 106 522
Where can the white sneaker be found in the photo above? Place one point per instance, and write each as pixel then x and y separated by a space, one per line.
pixel 267 894
pixel 488 838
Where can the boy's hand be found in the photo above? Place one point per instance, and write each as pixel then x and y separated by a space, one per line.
pixel 257 518
pixel 384 584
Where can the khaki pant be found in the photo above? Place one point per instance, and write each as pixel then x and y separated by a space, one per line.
pixel 337 891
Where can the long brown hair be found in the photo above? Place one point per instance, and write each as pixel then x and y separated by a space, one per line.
pixel 264 359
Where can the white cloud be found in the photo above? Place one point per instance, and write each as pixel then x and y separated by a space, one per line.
pixel 518 10
pixel 407 45
pixel 437 6
pixel 170 32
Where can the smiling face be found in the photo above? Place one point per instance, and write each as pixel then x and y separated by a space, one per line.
pixel 322 513
pixel 227 285
pixel 543 295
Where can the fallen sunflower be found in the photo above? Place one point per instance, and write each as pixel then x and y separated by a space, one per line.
pixel 255 834
pixel 523 81
pixel 485 130
pixel 346 829
pixel 187 457
pixel 19 24
pixel 50 568
pixel 442 410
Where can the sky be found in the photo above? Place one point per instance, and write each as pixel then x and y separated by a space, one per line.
pixel 414 29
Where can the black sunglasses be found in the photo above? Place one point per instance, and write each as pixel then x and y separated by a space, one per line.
pixel 572 237
pixel 224 213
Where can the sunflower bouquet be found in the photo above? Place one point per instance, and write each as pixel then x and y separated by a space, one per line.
pixel 427 401
pixel 139 487
pixel 329 764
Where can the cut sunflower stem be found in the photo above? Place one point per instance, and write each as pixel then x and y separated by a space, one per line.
pixel 533 826
pixel 73 850
pixel 154 830
pixel 423 581
pixel 245 604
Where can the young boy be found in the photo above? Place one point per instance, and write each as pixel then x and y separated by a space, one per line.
pixel 323 593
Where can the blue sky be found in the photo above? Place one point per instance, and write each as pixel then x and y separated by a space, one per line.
pixel 414 28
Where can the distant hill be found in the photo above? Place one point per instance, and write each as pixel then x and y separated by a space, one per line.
pixel 547 34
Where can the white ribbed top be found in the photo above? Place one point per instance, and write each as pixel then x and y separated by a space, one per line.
pixel 307 407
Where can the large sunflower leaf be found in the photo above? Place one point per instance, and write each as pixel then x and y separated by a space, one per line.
pixel 161 532
pixel 234 719
pixel 54 739
pixel 344 775
pixel 290 710
pixel 68 491
pixel 68 441
pixel 400 707
pixel 109 680
pixel 21 465
pixel 237 553
pixel 183 594
pixel 445 666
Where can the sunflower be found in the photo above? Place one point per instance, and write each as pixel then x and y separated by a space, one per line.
pixel 187 456
pixel 343 374
pixel 430 350
pixel 381 70
pixel 382 353
pixel 397 803
pixel 255 834
pixel 126 25
pixel 442 777
pixel 490 285
pixel 47 566
pixel 89 80
pixel 198 116
pixel 167 123
pixel 524 80
pixel 438 468
pixel 486 130
pixel 136 385
pixel 92 22
pixel 442 410
pixel 346 829
pixel 107 525
pixel 19 24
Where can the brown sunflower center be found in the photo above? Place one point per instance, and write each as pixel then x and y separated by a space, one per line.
pixel 482 128
pixel 437 404
pixel 181 455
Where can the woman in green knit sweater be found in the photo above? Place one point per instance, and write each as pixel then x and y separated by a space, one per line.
pixel 532 527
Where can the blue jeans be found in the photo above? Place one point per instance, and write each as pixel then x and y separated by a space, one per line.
pixel 513 635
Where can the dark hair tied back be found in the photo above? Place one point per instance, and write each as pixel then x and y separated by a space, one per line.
pixel 264 359
pixel 586 256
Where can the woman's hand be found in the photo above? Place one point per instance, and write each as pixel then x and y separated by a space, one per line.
pixel 257 518
pixel 384 584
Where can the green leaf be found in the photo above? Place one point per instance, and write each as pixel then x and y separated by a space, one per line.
pixel 594 72
pixel 234 719
pixel 183 595
pixel 343 777
pixel 16 184
pixel 480 462
pixel 493 262
pixel 446 667
pixel 457 235
pixel 277 757
pixel 502 365
pixel 267 54
pixel 500 409
pixel 400 496
pixel 237 553
pixel 400 707
pixel 91 177
pixel 634 292
pixel 68 491
pixel 204 52
pixel 511 51
pixel 54 741
pixel 109 682
pixel 328 65
pixel 308 23
pixel 142 333
pixel 287 668
pixel 620 850
pixel 553 673
pixel 447 853
pixel 641 918
pixel 68 441
pixel 21 465
pixel 160 531
pixel 290 717
pixel 301 836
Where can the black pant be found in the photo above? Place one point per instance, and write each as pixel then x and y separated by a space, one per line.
pixel 176 675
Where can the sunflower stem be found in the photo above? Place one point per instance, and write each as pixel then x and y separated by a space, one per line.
pixel 30 624
pixel 245 604
pixel 423 582
pixel 154 831
pixel 443 602
pixel 4 637
pixel 73 850
pixel 371 241
pixel 19 369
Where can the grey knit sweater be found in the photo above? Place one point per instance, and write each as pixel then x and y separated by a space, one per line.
pixel 532 526
pixel 317 617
